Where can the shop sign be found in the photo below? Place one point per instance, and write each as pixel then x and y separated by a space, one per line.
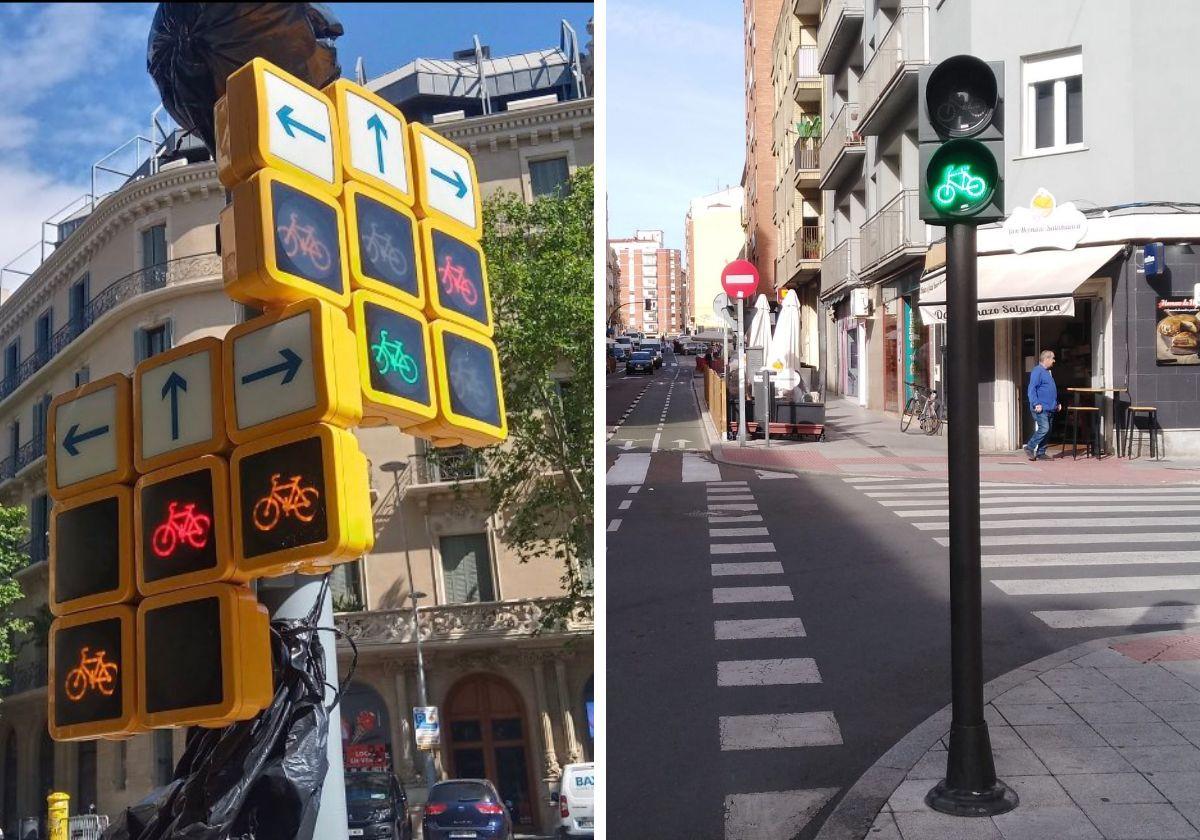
pixel 997 310
pixel 1177 333
pixel 365 758
pixel 1045 224
pixel 426 728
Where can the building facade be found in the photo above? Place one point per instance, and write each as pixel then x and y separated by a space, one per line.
pixel 652 289
pixel 714 237
pixel 760 17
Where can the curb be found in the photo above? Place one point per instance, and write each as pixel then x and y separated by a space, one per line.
pixel 855 813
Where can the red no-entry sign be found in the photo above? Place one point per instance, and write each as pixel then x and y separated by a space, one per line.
pixel 739 279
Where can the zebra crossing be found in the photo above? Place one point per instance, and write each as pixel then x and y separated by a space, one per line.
pixel 1060 550
pixel 670 467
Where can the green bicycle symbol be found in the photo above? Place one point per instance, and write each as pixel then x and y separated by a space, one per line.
pixel 391 358
pixel 959 181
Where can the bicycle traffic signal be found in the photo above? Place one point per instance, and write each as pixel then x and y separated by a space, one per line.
pixel 374 134
pixel 91 550
pixel 394 363
pixel 381 234
pixel 300 498
pixel 92 687
pixel 447 186
pixel 470 399
pixel 179 405
pixel 203 657
pixel 960 131
pixel 457 272
pixel 91 444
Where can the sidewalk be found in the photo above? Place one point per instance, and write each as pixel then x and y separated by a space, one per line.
pixel 1100 741
pixel 863 442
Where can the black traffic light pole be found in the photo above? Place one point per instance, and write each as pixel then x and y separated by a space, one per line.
pixel 970 788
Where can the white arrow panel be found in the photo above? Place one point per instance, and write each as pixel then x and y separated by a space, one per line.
pixel 267 398
pixel 303 149
pixel 95 455
pixel 194 405
pixel 365 149
pixel 442 194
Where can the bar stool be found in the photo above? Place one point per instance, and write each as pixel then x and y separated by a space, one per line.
pixel 1131 416
pixel 1076 415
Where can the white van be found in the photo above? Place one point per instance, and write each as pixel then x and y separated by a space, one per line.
pixel 575 797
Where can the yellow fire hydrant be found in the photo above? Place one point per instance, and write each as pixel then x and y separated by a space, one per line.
pixel 58 816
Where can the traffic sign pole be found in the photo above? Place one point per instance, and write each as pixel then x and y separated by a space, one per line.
pixel 741 345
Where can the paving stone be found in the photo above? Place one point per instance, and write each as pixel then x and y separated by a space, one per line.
pixel 1107 658
pixel 1189 729
pixel 1173 710
pixel 992 716
pixel 1139 734
pixel 1102 788
pixel 1120 712
pixel 1038 791
pixel 1189 672
pixel 1034 691
pixel 1140 822
pixel 932 765
pixel 1059 735
pixel 910 795
pixel 1151 683
pixel 1017 762
pixel 884 828
pixel 1178 758
pixel 1087 685
pixel 1083 760
pixel 1191 812
pixel 1180 788
pixel 1030 714
pixel 1005 738
pixel 1061 822
pixel 930 825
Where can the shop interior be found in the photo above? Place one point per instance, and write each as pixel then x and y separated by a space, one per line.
pixel 1077 352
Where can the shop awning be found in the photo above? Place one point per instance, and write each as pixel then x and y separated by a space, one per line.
pixel 1021 285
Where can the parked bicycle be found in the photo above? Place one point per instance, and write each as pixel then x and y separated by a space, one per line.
pixel 925 406
pixel 379 249
pixel 92 672
pixel 390 357
pixel 455 280
pixel 302 239
pixel 182 525
pixel 287 498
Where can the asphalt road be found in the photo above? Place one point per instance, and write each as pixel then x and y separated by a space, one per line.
pixel 791 676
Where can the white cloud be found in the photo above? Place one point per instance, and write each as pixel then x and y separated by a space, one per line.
pixel 28 198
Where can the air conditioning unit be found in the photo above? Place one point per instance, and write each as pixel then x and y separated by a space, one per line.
pixel 860 302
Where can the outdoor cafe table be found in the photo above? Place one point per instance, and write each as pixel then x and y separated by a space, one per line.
pixel 1098 396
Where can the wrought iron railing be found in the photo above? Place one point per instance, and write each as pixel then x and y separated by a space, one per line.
pixel 116 293
pixel 447 466
pixel 29 452
pixel 808 242
pixel 840 265
pixel 453 622
pixel 843 132
pixel 903 45
pixel 895 227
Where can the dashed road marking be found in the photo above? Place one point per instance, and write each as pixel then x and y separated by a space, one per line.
pixel 751 594
pixel 758 628
pixel 799 671
pixel 769 568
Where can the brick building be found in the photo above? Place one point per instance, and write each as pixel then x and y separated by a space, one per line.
pixel 761 19
pixel 652 294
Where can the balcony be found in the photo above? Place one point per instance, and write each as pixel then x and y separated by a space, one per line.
pixel 802 259
pixel 840 266
pixel 889 82
pixel 841 23
pixel 843 148
pixel 485 622
pixel 895 232
pixel 140 282
pixel 806 156
pixel 807 87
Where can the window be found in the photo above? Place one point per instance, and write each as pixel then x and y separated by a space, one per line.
pixel 42 332
pixel 164 761
pixel 150 341
pixel 154 246
pixel 39 528
pixel 12 359
pixel 14 441
pixel 83 376
pixel 1053 90
pixel 467 569
pixel 77 301
pixel 41 418
pixel 548 177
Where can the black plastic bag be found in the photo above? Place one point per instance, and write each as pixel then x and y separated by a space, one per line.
pixel 193 48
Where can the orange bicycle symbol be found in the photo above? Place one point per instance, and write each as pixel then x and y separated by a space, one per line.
pixel 182 525
pixel 285 499
pixel 454 279
pixel 92 672
pixel 299 239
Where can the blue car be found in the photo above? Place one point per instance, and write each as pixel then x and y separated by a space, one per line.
pixel 466 809
pixel 641 362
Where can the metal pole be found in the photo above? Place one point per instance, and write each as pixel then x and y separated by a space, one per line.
pixel 970 788
pixel 422 697
pixel 292 597
pixel 741 347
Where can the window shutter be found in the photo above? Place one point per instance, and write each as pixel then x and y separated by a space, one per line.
pixel 139 346
pixel 167 340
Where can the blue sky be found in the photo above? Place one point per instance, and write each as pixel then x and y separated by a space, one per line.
pixel 676 113
pixel 76 86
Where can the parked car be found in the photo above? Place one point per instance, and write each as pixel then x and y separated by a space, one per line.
pixel 576 801
pixel 466 809
pixel 640 362
pixel 617 355
pixel 377 807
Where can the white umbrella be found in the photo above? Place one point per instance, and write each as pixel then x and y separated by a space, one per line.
pixel 784 355
pixel 760 325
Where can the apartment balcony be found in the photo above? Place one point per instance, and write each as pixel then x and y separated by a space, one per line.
pixel 840 267
pixel 806 157
pixel 806 89
pixel 893 234
pixel 802 260
pixel 841 23
pixel 889 83
pixel 441 471
pixel 842 148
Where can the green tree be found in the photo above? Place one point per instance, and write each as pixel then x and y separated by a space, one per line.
pixel 13 534
pixel 540 267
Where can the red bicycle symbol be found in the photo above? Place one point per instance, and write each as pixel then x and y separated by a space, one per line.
pixel 454 279
pixel 301 239
pixel 182 525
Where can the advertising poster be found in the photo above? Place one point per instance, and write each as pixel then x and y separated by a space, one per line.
pixel 1178 332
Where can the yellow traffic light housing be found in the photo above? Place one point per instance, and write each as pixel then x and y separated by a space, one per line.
pixel 447 186
pixel 381 237
pixel 92 687
pixel 456 277
pixel 470 393
pixel 395 364
pixel 91 550
pixel 374 136
pixel 299 497
pixel 179 405
pixel 203 657
pixel 90 437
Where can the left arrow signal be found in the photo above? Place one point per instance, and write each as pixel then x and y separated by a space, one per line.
pixel 288 123
pixel 74 437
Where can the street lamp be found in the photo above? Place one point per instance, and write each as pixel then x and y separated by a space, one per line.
pixel 430 772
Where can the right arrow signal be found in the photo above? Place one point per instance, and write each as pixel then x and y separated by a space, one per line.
pixel 288 367
pixel 457 181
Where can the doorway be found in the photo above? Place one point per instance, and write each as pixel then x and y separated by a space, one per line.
pixel 851 384
pixel 1077 342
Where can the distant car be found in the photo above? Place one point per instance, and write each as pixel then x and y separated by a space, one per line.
pixel 697 348
pixel 469 809
pixel 640 362
pixel 656 353
pixel 575 798
pixel 377 807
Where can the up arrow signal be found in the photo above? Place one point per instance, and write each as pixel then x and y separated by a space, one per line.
pixel 288 123
pixel 74 438
pixel 174 384
pixel 457 181
pixel 288 367
pixel 376 124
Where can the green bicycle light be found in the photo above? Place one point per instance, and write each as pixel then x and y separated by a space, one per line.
pixel 961 177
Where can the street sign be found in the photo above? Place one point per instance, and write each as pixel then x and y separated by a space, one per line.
pixel 179 405
pixel 203 657
pixel 269 118
pixel 289 368
pixel 426 727
pixel 283 241
pixel 447 188
pixel 91 550
pixel 456 277
pixel 92 688
pixel 723 311
pixel 394 363
pixel 181 519
pixel 299 497
pixel 381 235
pixel 739 279
pixel 374 140
pixel 91 444
pixel 470 397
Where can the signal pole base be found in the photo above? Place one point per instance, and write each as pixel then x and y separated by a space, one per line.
pixel 971 788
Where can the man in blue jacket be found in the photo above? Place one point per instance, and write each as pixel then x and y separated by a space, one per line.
pixel 1043 402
